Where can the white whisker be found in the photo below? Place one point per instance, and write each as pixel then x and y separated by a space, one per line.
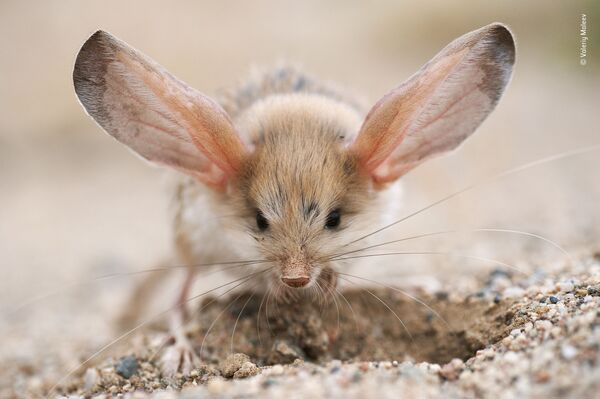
pixel 384 304
pixel 484 181
pixel 414 298
pixel 494 261
pixel 134 329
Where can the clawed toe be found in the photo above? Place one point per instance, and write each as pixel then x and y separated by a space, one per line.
pixel 180 357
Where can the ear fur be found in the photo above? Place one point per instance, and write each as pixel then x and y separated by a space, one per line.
pixel 439 107
pixel 158 116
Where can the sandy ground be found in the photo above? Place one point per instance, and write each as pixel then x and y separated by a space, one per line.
pixel 515 336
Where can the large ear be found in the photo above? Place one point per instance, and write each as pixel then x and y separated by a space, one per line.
pixel 438 107
pixel 161 118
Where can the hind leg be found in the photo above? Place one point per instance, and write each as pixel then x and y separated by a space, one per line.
pixel 140 297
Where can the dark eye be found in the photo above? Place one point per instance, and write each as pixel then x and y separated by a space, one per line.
pixel 261 221
pixel 333 219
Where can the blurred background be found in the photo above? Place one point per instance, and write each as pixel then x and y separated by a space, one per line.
pixel 75 204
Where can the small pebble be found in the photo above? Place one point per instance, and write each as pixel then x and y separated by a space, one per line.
pixel 276 370
pixel 513 292
pixel 284 352
pixel 452 370
pixel 216 386
pixel 555 332
pixel 435 368
pixel 268 382
pixel 127 366
pixel 511 357
pixel 543 325
pixel 569 297
pixel 298 362
pixel 542 376
pixel 386 364
pixel 248 369
pixel 233 363
pixel 568 351
pixel 566 286
pixel 90 379
pixel 553 299
pixel 519 343
pixel 486 353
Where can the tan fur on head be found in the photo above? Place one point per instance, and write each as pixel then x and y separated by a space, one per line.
pixel 299 172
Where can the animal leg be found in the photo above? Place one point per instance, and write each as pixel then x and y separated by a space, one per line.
pixel 180 356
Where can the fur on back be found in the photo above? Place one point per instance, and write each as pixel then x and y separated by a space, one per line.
pixel 282 79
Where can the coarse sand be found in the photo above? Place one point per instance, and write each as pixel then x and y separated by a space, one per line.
pixel 516 336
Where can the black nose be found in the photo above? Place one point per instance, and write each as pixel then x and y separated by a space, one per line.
pixel 295 282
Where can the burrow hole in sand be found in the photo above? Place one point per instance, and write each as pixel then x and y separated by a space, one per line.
pixel 356 327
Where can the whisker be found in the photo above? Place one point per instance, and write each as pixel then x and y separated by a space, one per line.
pixel 337 308
pixel 207 333
pixel 164 342
pixel 269 297
pixel 315 294
pixel 278 297
pixel 414 298
pixel 491 230
pixel 238 319
pixel 258 315
pixel 136 328
pixel 567 254
pixel 494 261
pixel 484 181
pixel 320 297
pixel 70 286
pixel 384 304
pixel 350 307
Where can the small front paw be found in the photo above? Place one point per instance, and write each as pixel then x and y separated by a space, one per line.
pixel 179 357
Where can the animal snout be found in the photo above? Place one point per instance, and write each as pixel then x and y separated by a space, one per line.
pixel 295 282
pixel 296 270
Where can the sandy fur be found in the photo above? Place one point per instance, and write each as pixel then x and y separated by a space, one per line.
pixel 298 158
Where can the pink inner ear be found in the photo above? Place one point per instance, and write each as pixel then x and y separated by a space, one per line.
pixel 388 122
pixel 438 107
pixel 211 175
pixel 205 123
pixel 139 103
pixel 387 172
